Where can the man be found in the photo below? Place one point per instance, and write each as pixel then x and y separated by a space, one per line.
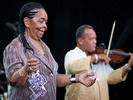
pixel 78 60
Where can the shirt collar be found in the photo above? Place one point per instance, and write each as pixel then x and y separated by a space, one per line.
pixel 80 51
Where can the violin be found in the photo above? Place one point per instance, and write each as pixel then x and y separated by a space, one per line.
pixel 116 55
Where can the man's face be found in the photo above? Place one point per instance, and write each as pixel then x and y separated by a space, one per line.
pixel 89 40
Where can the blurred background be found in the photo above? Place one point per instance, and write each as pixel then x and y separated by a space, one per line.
pixel 65 16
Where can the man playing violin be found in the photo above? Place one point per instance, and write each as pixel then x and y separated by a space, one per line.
pixel 78 60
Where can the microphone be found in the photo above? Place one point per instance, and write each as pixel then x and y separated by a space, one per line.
pixel 12 26
pixel 102 45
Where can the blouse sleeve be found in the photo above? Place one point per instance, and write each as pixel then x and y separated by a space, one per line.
pixel 11 60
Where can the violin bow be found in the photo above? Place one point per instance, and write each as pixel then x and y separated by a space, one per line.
pixel 111 36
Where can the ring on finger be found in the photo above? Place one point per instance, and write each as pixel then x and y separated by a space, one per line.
pixel 30 68
pixel 29 64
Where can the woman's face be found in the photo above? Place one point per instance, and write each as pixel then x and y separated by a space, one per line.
pixel 37 25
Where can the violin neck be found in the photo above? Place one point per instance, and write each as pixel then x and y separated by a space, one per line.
pixel 119 53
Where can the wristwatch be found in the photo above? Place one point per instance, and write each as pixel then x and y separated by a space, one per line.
pixel 127 68
pixel 73 79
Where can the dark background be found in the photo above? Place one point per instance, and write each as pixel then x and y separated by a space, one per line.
pixel 65 16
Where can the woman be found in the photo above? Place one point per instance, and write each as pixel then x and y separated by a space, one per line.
pixel 30 67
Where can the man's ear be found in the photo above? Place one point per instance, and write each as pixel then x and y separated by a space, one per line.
pixel 80 41
pixel 26 21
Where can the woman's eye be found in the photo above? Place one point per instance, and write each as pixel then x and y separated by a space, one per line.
pixel 41 21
